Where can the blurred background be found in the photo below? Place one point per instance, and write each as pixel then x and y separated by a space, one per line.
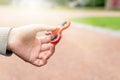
pixel 89 49
pixel 20 12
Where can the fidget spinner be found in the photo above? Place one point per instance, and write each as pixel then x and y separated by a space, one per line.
pixel 57 34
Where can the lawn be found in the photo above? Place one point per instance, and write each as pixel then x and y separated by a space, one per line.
pixel 105 22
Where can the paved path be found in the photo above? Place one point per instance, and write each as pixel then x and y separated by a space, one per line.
pixel 82 54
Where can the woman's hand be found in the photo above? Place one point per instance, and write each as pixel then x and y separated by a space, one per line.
pixel 25 43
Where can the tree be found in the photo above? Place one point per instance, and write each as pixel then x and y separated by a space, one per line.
pixel 61 2
pixel 108 4
pixel 94 3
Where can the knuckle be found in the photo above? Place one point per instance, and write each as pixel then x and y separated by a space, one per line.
pixel 48 38
pixel 43 62
pixel 45 57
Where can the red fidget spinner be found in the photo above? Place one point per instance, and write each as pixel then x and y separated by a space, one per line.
pixel 57 34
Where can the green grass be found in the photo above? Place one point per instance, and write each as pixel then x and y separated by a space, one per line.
pixel 105 22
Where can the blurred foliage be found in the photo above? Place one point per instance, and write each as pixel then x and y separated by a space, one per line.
pixel 94 3
pixel 60 2
pixel 4 2
pixel 88 3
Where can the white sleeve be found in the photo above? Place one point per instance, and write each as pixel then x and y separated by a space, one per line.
pixel 4 33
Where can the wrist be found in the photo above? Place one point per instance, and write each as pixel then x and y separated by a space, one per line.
pixel 9 40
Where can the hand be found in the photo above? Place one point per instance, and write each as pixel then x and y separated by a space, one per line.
pixel 31 48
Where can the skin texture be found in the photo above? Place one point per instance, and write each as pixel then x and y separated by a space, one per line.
pixel 25 43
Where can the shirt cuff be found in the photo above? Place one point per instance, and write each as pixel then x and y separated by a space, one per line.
pixel 4 34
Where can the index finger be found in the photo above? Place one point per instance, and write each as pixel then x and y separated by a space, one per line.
pixel 45 39
pixel 43 27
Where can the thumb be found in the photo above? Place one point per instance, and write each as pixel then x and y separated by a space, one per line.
pixel 44 27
